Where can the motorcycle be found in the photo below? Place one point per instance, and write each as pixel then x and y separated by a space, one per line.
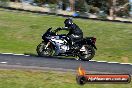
pixel 53 41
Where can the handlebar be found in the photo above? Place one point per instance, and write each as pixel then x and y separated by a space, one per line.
pixel 49 32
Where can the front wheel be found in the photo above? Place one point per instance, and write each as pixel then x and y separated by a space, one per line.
pixel 44 52
pixel 87 54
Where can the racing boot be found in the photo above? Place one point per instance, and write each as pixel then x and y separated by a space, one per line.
pixel 74 46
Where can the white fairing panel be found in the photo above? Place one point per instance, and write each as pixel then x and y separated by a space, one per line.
pixel 60 44
pixel 58 41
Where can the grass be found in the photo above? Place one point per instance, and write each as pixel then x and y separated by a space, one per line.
pixel 44 79
pixel 20 32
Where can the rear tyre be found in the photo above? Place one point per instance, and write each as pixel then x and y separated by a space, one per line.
pixel 44 52
pixel 88 54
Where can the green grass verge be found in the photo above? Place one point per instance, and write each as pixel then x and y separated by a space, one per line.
pixel 21 32
pixel 40 79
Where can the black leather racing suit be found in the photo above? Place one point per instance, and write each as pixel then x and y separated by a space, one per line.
pixel 75 33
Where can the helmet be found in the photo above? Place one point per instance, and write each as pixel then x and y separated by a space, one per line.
pixel 68 22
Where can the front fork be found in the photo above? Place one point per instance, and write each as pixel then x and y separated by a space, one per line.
pixel 47 45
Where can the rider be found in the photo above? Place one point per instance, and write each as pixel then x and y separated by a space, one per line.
pixel 75 33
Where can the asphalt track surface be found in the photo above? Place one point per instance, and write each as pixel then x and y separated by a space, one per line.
pixel 55 63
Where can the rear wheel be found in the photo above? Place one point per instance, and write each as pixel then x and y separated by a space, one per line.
pixel 87 54
pixel 44 52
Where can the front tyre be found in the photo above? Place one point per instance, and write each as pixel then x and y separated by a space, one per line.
pixel 44 52
pixel 87 54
